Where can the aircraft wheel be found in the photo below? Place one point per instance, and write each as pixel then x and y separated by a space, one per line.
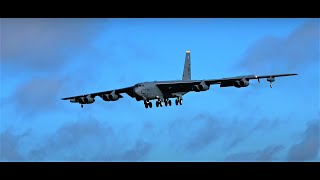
pixel 81 105
pixel 160 103
pixel 177 102
pixel 180 101
pixel 150 104
pixel 146 105
pixel 166 103
pixel 169 102
pixel 157 103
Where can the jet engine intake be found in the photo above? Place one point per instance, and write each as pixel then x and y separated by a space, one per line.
pixel 196 88
pixel 88 99
pixel 111 97
pixel 203 86
pixel 242 83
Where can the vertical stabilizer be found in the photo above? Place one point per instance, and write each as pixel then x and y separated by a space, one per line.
pixel 187 67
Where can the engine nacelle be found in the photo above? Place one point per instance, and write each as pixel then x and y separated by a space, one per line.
pixel 81 100
pixel 88 99
pixel 242 83
pixel 203 86
pixel 111 97
pixel 196 88
pixel 105 97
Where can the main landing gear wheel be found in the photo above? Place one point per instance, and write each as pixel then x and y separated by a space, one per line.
pixel 81 105
pixel 158 103
pixel 147 104
pixel 178 101
pixel 167 102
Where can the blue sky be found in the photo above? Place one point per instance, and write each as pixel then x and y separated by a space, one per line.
pixel 43 60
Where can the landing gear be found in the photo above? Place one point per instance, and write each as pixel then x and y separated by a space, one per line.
pixel 270 84
pixel 147 104
pixel 178 101
pixel 167 102
pixel 158 103
pixel 81 105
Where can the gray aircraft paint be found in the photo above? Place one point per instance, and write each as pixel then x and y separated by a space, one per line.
pixel 162 91
pixel 187 67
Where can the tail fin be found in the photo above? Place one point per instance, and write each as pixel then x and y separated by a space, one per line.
pixel 187 67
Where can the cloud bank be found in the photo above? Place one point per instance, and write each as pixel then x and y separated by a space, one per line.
pixel 44 44
pixel 308 148
pixel 299 48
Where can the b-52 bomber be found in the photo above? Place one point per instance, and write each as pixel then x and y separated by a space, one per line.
pixel 162 91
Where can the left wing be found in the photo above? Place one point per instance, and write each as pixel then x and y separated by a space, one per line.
pixel 200 85
pixel 111 95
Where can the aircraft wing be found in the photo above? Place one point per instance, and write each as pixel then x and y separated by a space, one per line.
pixel 224 82
pixel 127 90
pixel 180 86
pixel 275 75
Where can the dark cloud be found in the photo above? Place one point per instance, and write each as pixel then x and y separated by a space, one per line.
pixel 238 134
pixel 266 154
pixel 300 47
pixel 88 140
pixel 139 150
pixel 308 148
pixel 38 94
pixel 9 147
pixel 42 44
pixel 80 140
pixel 208 133
pixel 196 133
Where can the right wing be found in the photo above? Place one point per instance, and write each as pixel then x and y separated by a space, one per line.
pixel 225 82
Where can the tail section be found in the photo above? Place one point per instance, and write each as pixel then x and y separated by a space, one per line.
pixel 187 67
